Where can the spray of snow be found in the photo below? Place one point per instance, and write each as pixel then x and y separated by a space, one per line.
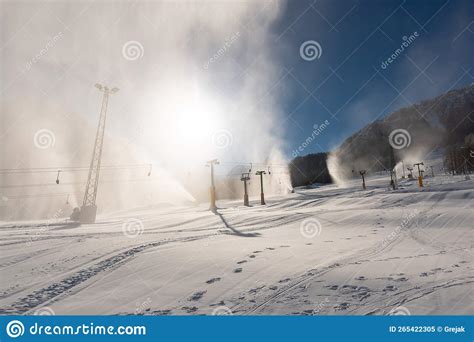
pixel 183 100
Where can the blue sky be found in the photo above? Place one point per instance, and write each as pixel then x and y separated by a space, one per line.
pixel 347 85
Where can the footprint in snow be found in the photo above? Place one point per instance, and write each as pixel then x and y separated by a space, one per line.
pixel 221 303
pixel 238 270
pixel 161 312
pixel 342 307
pixel 402 279
pixel 212 280
pixel 241 262
pixel 197 295
pixel 348 289
pixel 389 288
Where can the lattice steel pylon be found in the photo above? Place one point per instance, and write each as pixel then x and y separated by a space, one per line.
pixel 89 207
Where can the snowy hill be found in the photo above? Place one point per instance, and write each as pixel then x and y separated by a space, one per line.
pixel 318 251
pixel 444 121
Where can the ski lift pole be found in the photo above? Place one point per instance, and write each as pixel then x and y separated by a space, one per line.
pixel 262 196
pixel 245 177
pixel 362 173
pixel 420 177
pixel 212 189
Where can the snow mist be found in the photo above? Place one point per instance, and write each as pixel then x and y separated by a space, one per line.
pixel 193 80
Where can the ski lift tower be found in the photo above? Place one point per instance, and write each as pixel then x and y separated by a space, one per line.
pixel 212 189
pixel 245 178
pixel 89 208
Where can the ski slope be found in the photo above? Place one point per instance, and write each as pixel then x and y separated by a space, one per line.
pixel 322 251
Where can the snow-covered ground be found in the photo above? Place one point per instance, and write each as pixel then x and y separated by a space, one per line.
pixel 319 251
